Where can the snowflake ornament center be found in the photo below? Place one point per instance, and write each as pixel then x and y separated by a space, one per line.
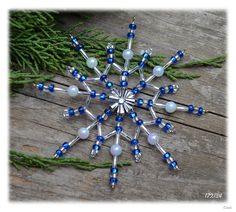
pixel 121 101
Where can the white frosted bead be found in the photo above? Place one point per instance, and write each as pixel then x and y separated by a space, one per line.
pixel 158 71
pixel 170 107
pixel 73 90
pixel 128 54
pixel 83 133
pixel 92 62
pixel 116 149
pixel 153 138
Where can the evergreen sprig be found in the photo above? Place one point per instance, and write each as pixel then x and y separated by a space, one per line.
pixel 37 45
pixel 19 159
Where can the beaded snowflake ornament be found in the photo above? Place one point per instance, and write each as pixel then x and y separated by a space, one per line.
pixel 121 102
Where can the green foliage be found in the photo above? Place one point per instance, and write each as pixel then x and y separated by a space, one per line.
pixel 37 47
pixel 19 159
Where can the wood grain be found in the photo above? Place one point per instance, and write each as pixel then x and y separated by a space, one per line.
pixel 199 145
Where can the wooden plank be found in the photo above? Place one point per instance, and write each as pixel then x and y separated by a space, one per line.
pixel 37 125
pixel 202 161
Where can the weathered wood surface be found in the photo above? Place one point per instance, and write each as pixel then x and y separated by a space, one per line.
pixel 199 145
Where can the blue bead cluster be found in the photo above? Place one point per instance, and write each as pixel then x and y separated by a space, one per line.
pixel 179 55
pixel 130 35
pixel 74 73
pixel 132 114
pixel 119 118
pixel 40 86
pixel 150 103
pixel 66 145
pixel 100 119
pixel 139 122
pixel 76 44
pixel 103 96
pixel 173 165
pixel 167 127
pixel 96 147
pixel 108 111
pixel 81 110
pixel 118 129
pixel 200 110
pixel 100 138
pixel 125 73
pixel 135 90
pixel 110 52
pixel 143 84
pixel 93 94
pixel 103 77
pixel 134 142
pixel 123 83
pixel 166 156
pixel 114 170
pixel 140 102
pixel 71 112
pixel 109 85
pixel 51 88
pixel 158 121
pixel 82 78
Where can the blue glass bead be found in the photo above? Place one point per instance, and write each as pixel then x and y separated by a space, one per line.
pixel 135 90
pixel 74 40
pixel 103 77
pixel 93 94
pixel 82 78
pixel 143 83
pixel 114 170
pixel 166 156
pixel 180 53
pixel 141 64
pixel 162 90
pixel 40 86
pixel 158 121
pixel 118 129
pixel 125 73
pixel 110 51
pixel 100 119
pixel 200 111
pixel 132 26
pixel 71 111
pixel 134 142
pixel 139 122
pixel 75 73
pixel 136 151
pixel 79 47
pixel 146 55
pixel 81 110
pixel 123 83
pixel 150 103
pixel 103 96
pixel 66 145
pixel 119 118
pixel 172 165
pixel 171 89
pixel 96 147
pixel 167 127
pixel 130 35
pixel 173 60
pixel 190 108
pixel 109 85
pixel 100 138
pixel 51 88
pixel 110 60
pixel 113 180
pixel 59 153
pixel 132 114
pixel 140 102
pixel 108 112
